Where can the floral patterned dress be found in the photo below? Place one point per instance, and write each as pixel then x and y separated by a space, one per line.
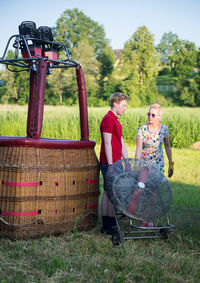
pixel 152 151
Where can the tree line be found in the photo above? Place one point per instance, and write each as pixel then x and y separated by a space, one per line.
pixel 136 73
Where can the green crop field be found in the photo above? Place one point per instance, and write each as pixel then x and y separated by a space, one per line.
pixel 63 123
pixel 90 256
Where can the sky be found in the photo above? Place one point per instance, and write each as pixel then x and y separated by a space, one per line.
pixel 120 19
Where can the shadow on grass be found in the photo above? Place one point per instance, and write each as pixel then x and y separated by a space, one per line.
pixel 184 213
pixel 186 221
pixel 185 210
pixel 186 195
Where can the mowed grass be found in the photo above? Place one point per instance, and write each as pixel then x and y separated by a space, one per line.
pixel 90 256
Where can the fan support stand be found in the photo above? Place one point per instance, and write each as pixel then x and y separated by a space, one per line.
pixel 138 232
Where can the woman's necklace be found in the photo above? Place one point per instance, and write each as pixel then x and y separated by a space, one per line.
pixel 153 130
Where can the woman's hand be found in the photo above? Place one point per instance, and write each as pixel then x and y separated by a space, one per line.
pixel 171 169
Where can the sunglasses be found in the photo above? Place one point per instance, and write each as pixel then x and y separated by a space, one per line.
pixel 151 115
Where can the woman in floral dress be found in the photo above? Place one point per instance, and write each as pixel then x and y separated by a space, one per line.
pixel 150 138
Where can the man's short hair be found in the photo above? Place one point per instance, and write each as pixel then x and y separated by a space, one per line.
pixel 118 97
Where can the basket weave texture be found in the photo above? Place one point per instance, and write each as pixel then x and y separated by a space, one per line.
pixel 47 191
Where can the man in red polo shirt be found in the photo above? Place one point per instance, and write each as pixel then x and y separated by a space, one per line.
pixel 112 149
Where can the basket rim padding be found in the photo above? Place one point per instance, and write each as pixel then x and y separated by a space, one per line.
pixel 45 143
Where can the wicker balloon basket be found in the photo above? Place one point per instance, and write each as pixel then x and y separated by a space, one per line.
pixel 47 191
pixel 48 186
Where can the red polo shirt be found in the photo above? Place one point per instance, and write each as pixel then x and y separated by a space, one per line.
pixel 111 125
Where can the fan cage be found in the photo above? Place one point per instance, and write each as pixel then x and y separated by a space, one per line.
pixel 148 203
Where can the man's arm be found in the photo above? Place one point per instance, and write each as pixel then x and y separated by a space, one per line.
pixel 108 147
pixel 124 149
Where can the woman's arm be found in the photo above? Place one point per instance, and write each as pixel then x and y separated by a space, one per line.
pixel 168 148
pixel 169 156
pixel 108 147
pixel 139 141
pixel 124 149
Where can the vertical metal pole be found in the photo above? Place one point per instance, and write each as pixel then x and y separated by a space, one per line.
pixel 82 104
pixel 31 127
pixel 36 100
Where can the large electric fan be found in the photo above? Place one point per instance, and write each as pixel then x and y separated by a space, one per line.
pixel 138 189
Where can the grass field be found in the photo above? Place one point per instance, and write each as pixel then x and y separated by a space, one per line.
pixel 63 122
pixel 90 256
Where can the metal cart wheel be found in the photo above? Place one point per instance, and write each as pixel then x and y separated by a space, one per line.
pixel 163 233
pixel 117 237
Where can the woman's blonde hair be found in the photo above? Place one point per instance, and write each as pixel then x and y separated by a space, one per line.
pixel 157 107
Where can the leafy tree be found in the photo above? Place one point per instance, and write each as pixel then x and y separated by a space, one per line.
pixel 186 92
pixel 8 90
pixel 139 61
pixel 84 54
pixel 183 60
pixel 110 86
pixel 54 87
pixel 107 59
pixel 74 27
pixel 166 47
pixel 16 87
pixel 181 56
pixel 62 83
pixel 107 83
pixel 197 80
